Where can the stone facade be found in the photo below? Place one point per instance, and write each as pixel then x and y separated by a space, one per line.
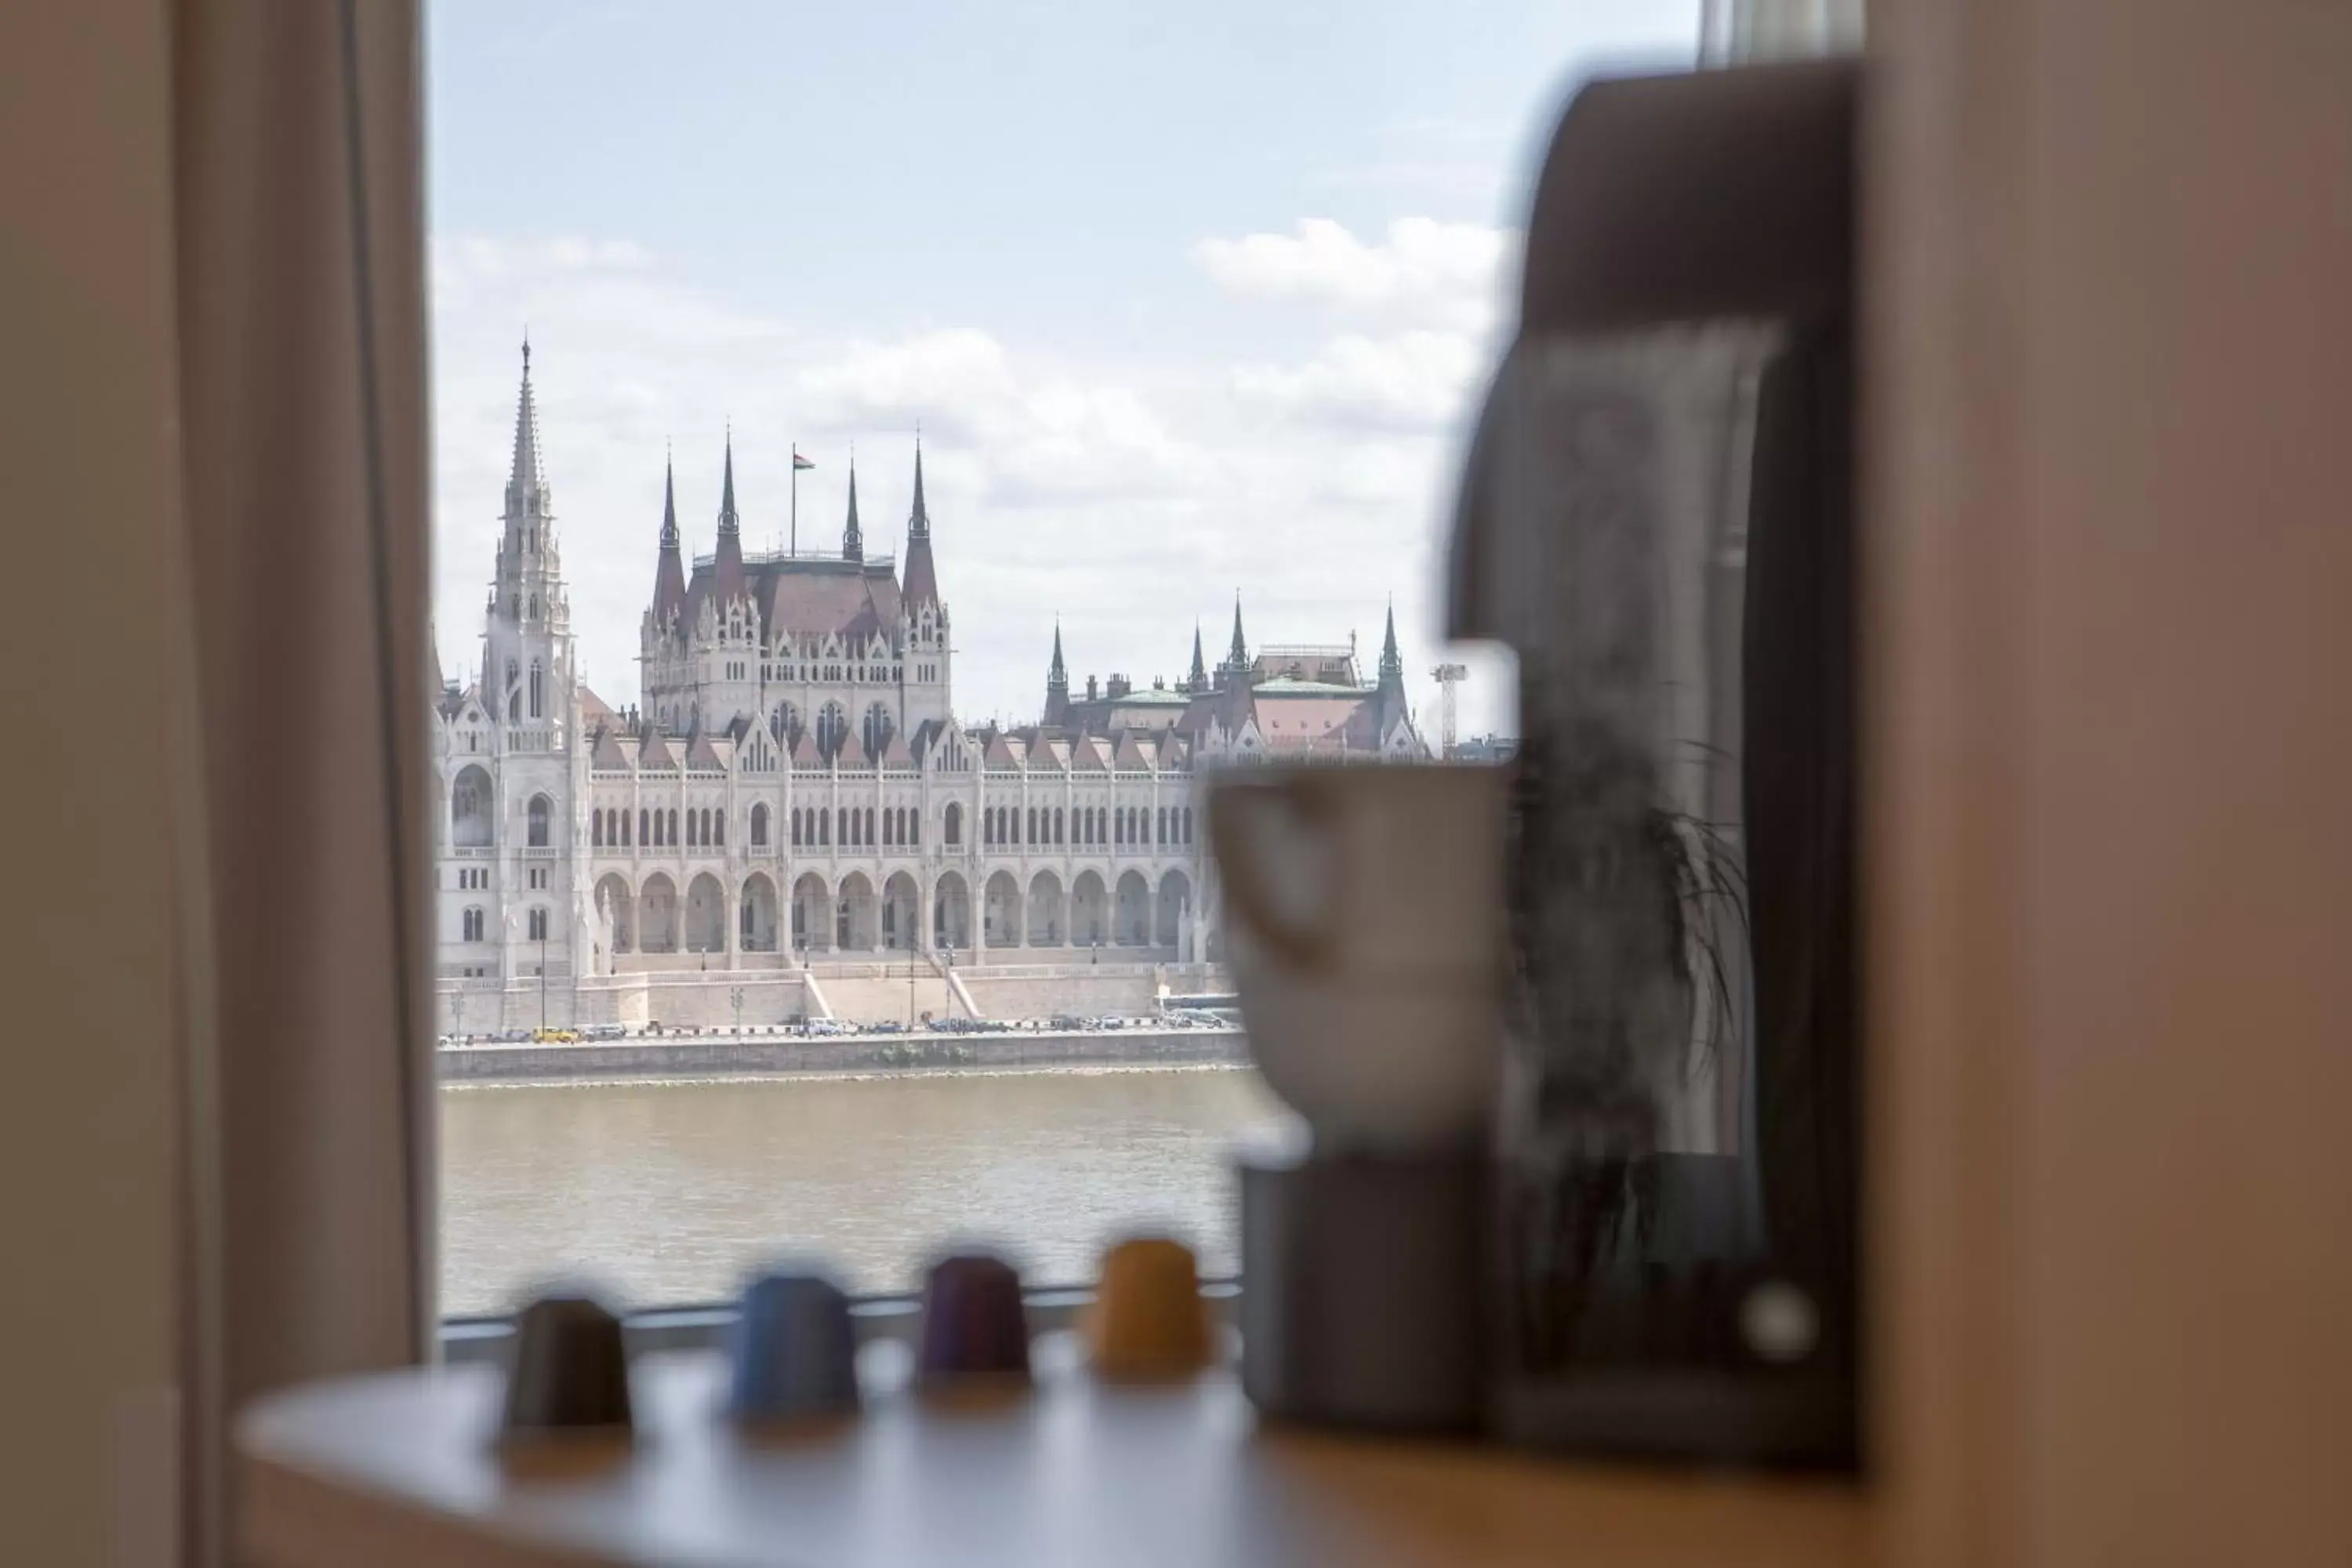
pixel 792 787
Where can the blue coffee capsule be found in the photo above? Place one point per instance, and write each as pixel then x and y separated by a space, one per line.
pixel 796 1351
pixel 974 1327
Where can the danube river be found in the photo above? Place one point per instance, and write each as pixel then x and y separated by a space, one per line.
pixel 668 1193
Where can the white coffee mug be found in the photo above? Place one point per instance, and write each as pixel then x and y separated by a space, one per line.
pixel 1363 920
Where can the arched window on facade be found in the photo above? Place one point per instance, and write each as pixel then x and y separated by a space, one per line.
pixel 538 924
pixel 718 827
pixel 867 837
pixel 670 832
pixel 953 825
pixel 797 827
pixel 597 830
pixel 832 730
pixel 537 680
pixel 643 837
pixel 540 810
pixel 914 827
pixel 469 926
pixel 1188 824
pixel 758 826
pixel 823 829
pixel 877 730
pixel 514 691
pixel 1059 835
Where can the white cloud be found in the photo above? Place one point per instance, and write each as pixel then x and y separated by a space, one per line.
pixel 1444 274
pixel 1414 382
pixel 1126 498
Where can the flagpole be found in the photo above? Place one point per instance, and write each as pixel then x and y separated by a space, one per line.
pixel 795 547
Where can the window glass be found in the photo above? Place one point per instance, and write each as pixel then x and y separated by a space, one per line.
pixel 1152 358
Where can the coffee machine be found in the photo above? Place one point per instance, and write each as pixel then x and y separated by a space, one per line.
pixel 1648 1247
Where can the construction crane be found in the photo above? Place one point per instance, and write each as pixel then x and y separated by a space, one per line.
pixel 1449 676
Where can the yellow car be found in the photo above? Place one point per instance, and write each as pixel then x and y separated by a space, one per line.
pixel 554 1036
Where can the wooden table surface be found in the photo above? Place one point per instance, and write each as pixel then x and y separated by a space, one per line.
pixel 398 1469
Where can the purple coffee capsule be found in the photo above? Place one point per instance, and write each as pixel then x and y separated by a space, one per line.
pixel 974 1327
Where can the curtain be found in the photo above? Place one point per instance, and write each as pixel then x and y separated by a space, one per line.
pixel 302 310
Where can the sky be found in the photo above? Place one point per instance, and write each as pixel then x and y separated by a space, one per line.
pixel 1186 303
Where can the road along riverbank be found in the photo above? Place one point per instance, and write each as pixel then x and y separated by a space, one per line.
pixel 640 1059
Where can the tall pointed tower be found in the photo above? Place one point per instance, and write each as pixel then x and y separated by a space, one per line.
pixel 922 579
pixel 664 660
pixel 726 633
pixel 1391 680
pixel 1235 670
pixel 1196 680
pixel 527 634
pixel 928 691
pixel 527 908
pixel 1057 685
pixel 729 587
pixel 853 538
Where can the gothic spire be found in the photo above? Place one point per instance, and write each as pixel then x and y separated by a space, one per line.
pixel 1057 683
pixel 729 523
pixel 922 582
pixel 1238 655
pixel 918 521
pixel 1391 662
pixel 669 568
pixel 728 568
pixel 1197 681
pixel 853 541
pixel 527 479
pixel 670 537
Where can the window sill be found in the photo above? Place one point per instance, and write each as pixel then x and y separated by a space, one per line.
pixel 397 1469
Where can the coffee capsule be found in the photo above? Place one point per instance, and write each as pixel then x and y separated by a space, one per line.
pixel 570 1372
pixel 1148 1322
pixel 796 1351
pixel 974 1327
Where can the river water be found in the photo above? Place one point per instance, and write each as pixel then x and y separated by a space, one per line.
pixel 670 1193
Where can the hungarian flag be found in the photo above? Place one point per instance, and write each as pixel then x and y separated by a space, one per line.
pixel 800 462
